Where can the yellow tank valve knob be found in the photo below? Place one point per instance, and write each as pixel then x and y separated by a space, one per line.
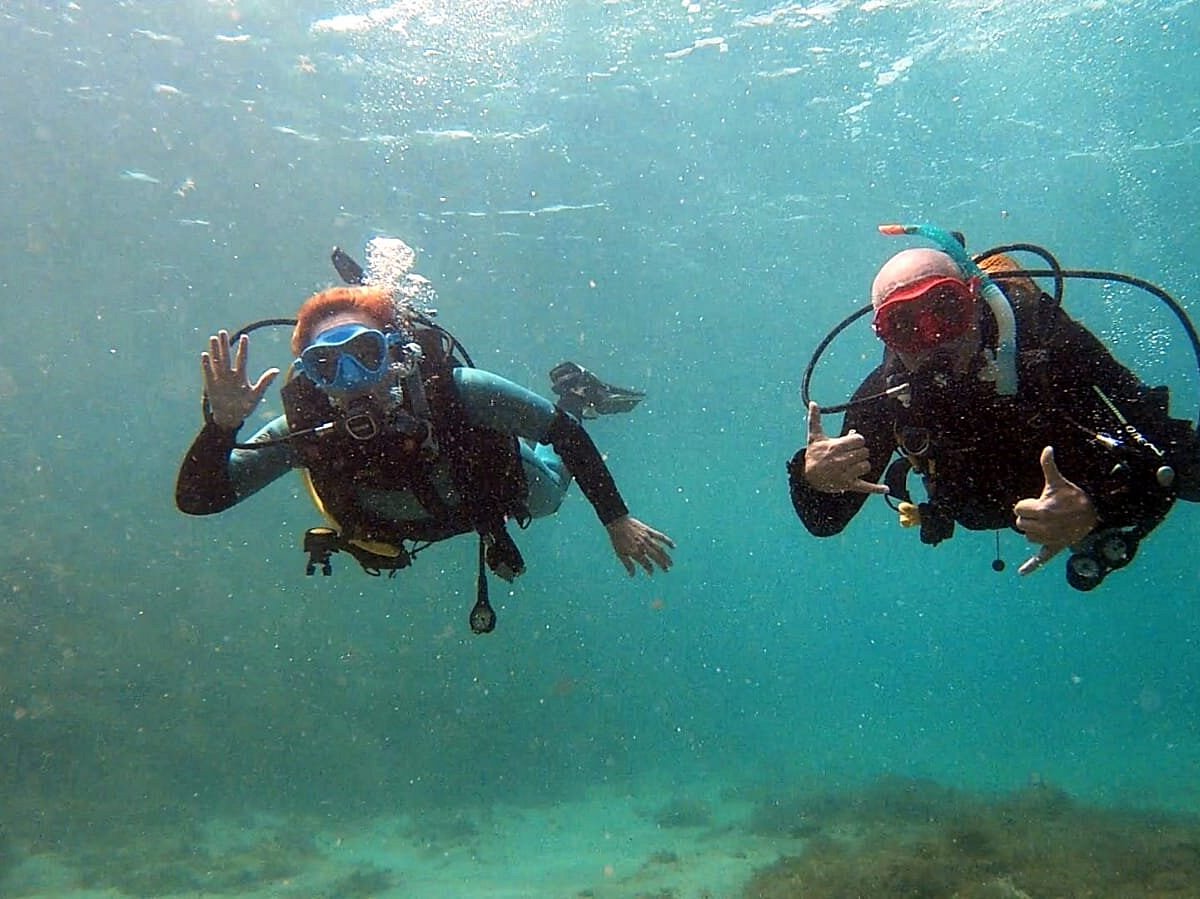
pixel 910 515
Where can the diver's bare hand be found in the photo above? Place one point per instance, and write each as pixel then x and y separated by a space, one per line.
pixel 231 396
pixel 836 464
pixel 1061 517
pixel 639 544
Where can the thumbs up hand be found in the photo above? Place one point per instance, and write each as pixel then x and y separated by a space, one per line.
pixel 836 464
pixel 1061 517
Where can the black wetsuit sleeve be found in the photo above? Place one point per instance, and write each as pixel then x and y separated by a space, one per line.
pixel 1126 491
pixel 826 514
pixel 204 485
pixel 583 460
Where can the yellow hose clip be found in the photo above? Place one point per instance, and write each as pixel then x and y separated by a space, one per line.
pixel 910 515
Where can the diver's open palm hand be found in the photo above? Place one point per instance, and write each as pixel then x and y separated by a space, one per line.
pixel 1061 517
pixel 639 544
pixel 231 396
pixel 836 464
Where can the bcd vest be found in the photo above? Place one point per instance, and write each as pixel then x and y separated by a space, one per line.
pixel 487 480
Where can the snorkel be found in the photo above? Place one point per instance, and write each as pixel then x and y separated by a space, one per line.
pixel 1006 349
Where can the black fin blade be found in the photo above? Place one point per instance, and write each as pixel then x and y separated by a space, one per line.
pixel 349 270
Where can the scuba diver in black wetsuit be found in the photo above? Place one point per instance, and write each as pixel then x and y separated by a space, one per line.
pixel 1014 415
pixel 402 441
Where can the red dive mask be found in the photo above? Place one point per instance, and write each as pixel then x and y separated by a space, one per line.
pixel 920 316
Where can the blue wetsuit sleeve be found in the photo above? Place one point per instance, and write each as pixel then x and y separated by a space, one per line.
pixel 494 402
pixel 491 401
pixel 214 475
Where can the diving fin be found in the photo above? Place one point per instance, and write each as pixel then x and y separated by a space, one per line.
pixel 584 395
pixel 349 270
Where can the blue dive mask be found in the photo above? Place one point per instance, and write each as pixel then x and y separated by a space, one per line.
pixel 350 358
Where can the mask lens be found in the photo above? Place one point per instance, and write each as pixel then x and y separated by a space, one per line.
pixel 365 350
pixel 321 363
pixel 929 314
pixel 368 348
pixel 946 306
pixel 899 328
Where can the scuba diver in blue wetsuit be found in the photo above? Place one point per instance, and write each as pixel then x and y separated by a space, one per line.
pixel 1012 413
pixel 401 440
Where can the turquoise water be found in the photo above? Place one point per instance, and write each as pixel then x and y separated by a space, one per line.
pixel 683 199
